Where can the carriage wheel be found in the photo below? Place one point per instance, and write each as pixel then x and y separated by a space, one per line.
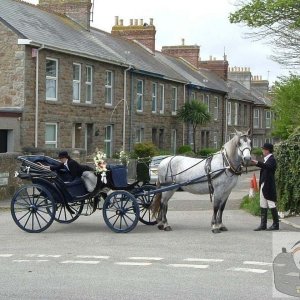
pixel 144 202
pixel 121 211
pixel 33 208
pixel 92 204
pixel 68 213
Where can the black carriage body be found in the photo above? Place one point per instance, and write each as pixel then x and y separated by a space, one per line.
pixel 50 197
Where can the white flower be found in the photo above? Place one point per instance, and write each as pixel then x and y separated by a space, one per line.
pixel 100 162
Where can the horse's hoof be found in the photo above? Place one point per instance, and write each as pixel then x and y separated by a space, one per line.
pixel 160 227
pixel 223 228
pixel 216 230
pixel 168 228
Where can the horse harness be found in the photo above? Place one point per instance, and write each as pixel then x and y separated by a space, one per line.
pixel 227 165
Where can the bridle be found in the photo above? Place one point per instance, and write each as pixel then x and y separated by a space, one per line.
pixel 236 170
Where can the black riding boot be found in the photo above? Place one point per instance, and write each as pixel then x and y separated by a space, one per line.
pixel 263 219
pixel 275 225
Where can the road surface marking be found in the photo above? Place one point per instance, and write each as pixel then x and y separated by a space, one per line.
pixel 257 263
pixel 6 255
pixel 30 260
pixel 88 262
pixel 93 256
pixel 204 259
pixel 189 266
pixel 43 255
pixel 260 271
pixel 133 263
pixel 292 274
pixel 145 258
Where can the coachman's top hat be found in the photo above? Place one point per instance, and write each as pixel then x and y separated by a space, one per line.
pixel 268 146
pixel 63 154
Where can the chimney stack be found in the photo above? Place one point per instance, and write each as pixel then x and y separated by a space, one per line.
pixel 77 10
pixel 189 53
pixel 137 30
pixel 218 66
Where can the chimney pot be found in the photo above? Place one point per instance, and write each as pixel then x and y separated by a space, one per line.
pixel 116 20
pixel 151 21
pixel 182 41
pixel 210 57
pixel 121 22
pixel 135 22
pixel 131 22
pixel 141 22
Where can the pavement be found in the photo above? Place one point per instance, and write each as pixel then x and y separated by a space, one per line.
pixel 183 201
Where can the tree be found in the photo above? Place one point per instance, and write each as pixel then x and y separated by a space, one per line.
pixel 286 106
pixel 194 113
pixel 275 21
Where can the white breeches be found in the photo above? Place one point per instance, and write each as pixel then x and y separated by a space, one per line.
pixel 264 203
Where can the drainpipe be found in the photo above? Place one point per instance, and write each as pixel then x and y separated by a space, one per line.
pixel 183 124
pixel 37 96
pixel 226 121
pixel 124 107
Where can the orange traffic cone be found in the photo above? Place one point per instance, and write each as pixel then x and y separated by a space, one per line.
pixel 251 191
pixel 255 186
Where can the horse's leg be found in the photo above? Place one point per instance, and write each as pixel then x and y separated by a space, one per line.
pixel 214 222
pixel 164 209
pixel 220 214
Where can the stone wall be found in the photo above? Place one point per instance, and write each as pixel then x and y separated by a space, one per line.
pixel 12 66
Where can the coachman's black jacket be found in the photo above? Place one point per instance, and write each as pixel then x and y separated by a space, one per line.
pixel 267 176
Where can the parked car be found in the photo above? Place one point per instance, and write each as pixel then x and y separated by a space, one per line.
pixel 153 166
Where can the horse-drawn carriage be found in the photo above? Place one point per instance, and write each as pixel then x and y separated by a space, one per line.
pixel 47 197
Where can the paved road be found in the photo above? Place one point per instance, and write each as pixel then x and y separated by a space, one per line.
pixel 85 260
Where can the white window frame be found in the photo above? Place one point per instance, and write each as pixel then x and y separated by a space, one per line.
pixel 256 118
pixel 229 113
pixel 108 141
pixel 162 99
pixel 174 100
pixel 206 101
pixel 174 141
pixel 215 140
pixel 109 87
pixel 52 78
pixel 193 96
pixel 255 142
pixel 154 97
pixel 216 109
pixel 89 84
pixel 235 113
pixel 139 135
pixel 268 119
pixel 54 142
pixel 77 83
pixel 139 96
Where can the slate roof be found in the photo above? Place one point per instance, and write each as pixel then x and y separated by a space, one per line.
pixel 200 77
pixel 237 91
pixel 58 32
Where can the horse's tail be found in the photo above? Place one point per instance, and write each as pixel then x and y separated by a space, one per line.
pixel 155 205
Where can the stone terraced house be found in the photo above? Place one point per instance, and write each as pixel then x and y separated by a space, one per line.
pixel 67 85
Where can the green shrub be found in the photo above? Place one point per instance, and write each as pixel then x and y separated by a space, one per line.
pixel 257 151
pixel 146 149
pixel 206 152
pixel 252 206
pixel 184 149
pixel 288 173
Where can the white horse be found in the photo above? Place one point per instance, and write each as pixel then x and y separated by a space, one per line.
pixel 216 175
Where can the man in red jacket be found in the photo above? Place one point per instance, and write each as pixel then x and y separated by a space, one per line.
pixel 267 187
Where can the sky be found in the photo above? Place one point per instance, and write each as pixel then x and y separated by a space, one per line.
pixel 199 22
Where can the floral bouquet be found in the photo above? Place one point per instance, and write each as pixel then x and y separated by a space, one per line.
pixel 100 165
pixel 124 158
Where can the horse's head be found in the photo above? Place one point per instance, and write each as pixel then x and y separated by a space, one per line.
pixel 244 146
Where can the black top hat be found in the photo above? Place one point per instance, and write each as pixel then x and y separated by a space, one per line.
pixel 268 146
pixel 63 154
